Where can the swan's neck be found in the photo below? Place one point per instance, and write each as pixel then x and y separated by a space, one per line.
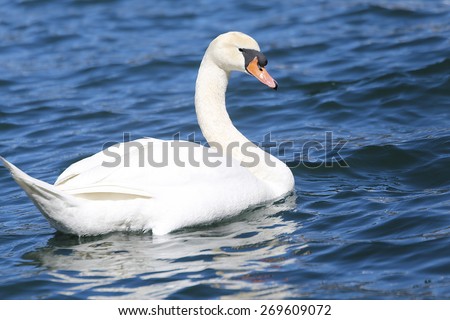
pixel 218 129
pixel 211 109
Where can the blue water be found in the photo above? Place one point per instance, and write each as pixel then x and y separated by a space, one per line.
pixel 375 74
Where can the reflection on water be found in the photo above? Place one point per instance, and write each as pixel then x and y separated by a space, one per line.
pixel 140 265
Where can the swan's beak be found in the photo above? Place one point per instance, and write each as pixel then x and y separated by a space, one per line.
pixel 261 74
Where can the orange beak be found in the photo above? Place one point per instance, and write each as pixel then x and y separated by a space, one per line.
pixel 261 74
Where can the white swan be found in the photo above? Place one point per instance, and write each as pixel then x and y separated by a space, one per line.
pixel 118 189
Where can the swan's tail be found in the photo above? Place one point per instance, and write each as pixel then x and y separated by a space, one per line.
pixel 52 202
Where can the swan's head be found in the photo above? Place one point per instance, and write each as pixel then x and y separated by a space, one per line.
pixel 236 51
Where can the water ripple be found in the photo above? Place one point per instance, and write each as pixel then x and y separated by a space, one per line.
pixel 373 224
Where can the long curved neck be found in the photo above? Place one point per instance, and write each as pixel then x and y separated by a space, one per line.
pixel 210 106
pixel 218 129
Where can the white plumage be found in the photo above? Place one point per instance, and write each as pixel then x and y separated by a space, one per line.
pixel 93 196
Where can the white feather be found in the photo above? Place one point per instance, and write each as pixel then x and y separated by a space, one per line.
pixel 124 189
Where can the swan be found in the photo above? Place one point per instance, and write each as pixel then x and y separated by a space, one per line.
pixel 184 184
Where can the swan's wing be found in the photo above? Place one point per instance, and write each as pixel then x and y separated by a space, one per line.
pixel 90 171
pixel 148 168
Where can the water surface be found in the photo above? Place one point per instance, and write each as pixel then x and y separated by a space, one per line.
pixel 75 75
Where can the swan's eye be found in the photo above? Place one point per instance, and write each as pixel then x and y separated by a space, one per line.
pixel 250 55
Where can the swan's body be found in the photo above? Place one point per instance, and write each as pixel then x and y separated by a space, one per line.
pixel 119 190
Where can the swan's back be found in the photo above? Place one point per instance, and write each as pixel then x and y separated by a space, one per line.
pixel 153 168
